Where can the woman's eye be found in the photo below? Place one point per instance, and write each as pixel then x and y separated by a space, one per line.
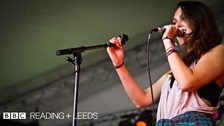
pixel 182 17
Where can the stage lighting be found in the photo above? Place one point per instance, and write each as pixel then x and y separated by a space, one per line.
pixel 140 123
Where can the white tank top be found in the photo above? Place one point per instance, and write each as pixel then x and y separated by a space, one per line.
pixel 174 101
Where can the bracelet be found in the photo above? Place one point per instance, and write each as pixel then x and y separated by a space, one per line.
pixel 168 38
pixel 116 67
pixel 171 50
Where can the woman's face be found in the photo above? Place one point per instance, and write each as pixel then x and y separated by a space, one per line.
pixel 180 22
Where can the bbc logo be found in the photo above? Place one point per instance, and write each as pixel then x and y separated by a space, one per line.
pixel 14 115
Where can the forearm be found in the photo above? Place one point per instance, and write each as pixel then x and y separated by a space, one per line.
pixel 134 91
pixel 182 73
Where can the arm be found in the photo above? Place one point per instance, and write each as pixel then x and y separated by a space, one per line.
pixel 141 98
pixel 209 68
pixel 138 96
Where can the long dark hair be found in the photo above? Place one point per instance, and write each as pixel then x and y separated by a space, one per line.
pixel 205 33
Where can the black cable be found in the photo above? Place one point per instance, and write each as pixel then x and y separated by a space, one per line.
pixel 150 79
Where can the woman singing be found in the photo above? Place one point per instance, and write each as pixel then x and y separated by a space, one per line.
pixel 188 94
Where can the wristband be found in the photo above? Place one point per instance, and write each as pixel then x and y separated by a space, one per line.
pixel 168 38
pixel 116 67
pixel 169 48
pixel 170 51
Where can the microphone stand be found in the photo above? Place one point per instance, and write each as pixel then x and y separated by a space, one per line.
pixel 76 61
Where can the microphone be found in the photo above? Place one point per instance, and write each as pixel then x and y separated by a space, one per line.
pixel 124 39
pixel 180 32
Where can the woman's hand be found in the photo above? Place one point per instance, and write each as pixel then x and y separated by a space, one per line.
pixel 116 52
pixel 171 31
